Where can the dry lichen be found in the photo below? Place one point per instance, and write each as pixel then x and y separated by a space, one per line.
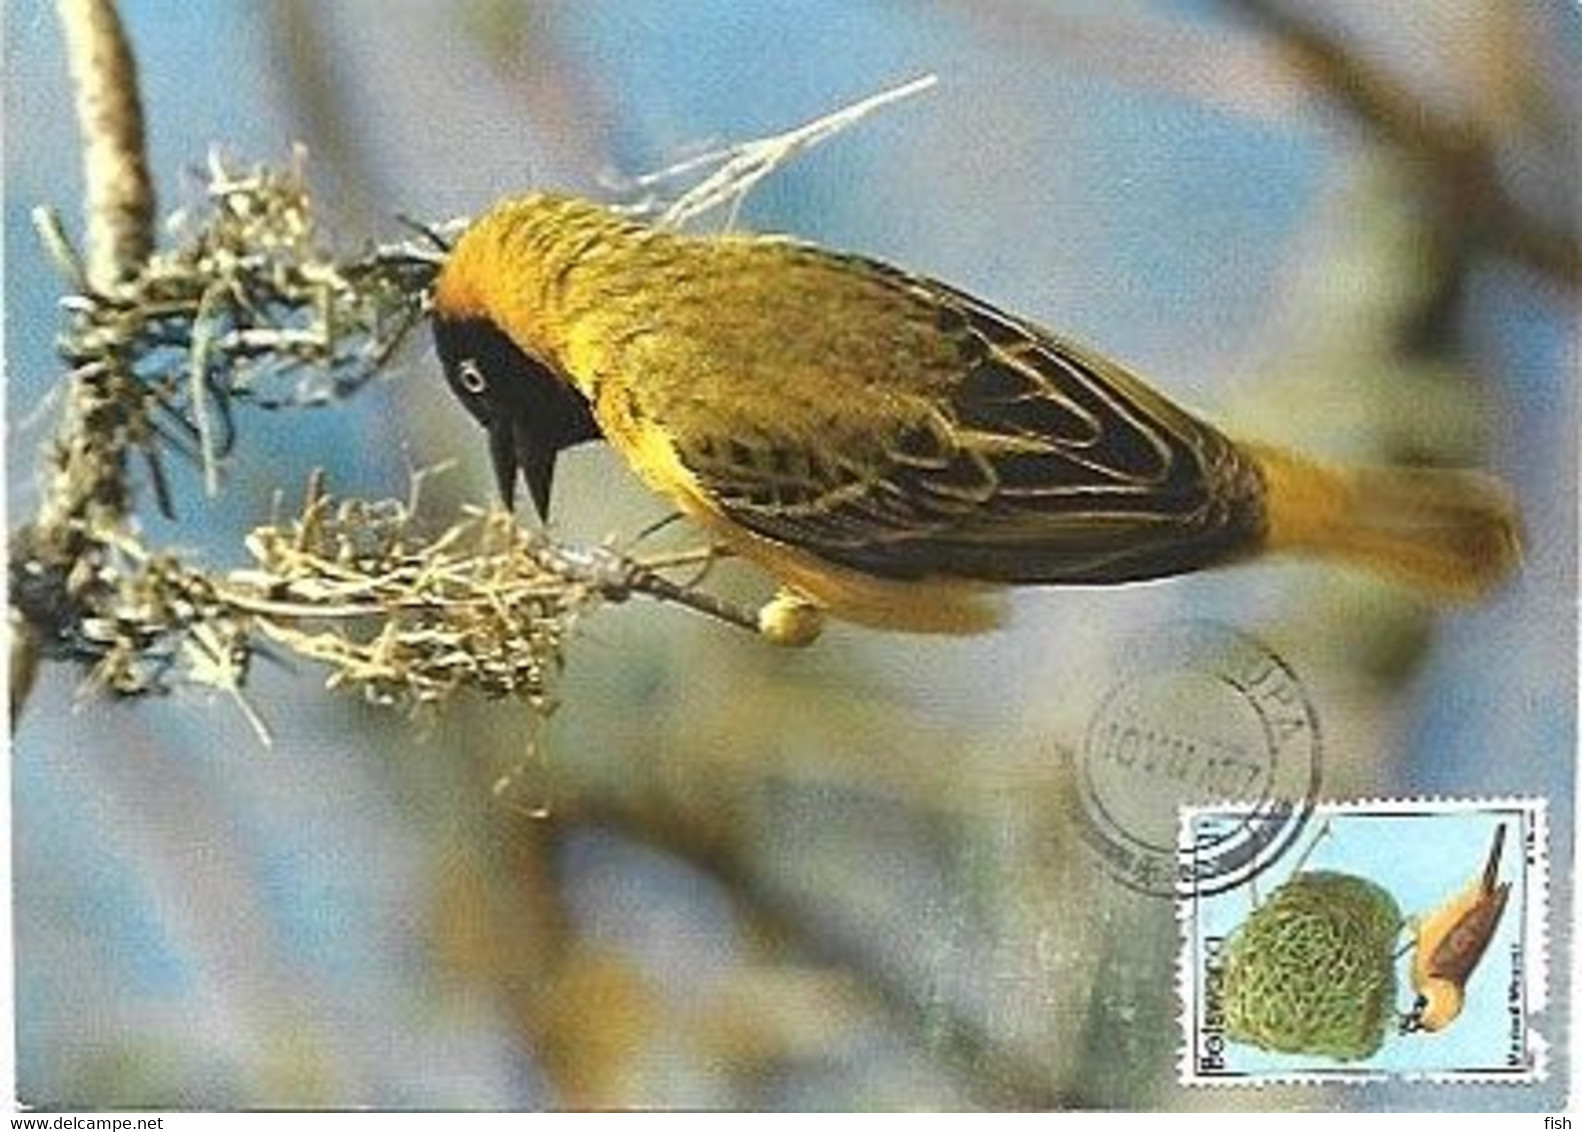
pixel 250 304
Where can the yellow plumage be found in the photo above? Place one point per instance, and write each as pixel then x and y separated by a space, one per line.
pixel 888 448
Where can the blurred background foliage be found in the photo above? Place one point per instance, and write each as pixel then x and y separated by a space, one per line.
pixel 721 874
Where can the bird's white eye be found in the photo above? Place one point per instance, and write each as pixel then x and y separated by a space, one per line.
pixel 471 377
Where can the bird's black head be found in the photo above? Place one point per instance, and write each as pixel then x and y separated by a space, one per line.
pixel 530 411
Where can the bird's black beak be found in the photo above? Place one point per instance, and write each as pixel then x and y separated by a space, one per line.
pixel 1412 1020
pixel 513 450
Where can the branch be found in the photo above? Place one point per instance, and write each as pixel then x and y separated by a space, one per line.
pixel 1458 153
pixel 119 193
pixel 87 481
pixel 992 1073
pixel 249 306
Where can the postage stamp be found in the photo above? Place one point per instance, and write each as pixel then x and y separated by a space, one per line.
pixel 1202 713
pixel 1404 940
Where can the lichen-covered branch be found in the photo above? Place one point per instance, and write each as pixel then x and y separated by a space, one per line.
pixel 483 605
pixel 251 308
pixel 86 484
pixel 248 307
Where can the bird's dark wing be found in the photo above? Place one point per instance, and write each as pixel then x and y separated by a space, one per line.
pixel 1036 461
pixel 1463 945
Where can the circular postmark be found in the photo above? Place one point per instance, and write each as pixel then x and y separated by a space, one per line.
pixel 1207 716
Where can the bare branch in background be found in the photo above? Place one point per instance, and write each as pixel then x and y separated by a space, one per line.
pixel 1216 70
pixel 1146 50
pixel 1460 153
pixel 984 1066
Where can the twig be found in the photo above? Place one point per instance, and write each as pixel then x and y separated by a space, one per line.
pixel 737 169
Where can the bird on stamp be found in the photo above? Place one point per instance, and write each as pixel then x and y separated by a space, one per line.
pixel 1449 943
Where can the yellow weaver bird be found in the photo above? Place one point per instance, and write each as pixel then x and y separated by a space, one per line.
pixel 889 448
pixel 1450 941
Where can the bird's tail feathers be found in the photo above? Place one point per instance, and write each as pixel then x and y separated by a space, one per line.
pixel 1491 871
pixel 1454 534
